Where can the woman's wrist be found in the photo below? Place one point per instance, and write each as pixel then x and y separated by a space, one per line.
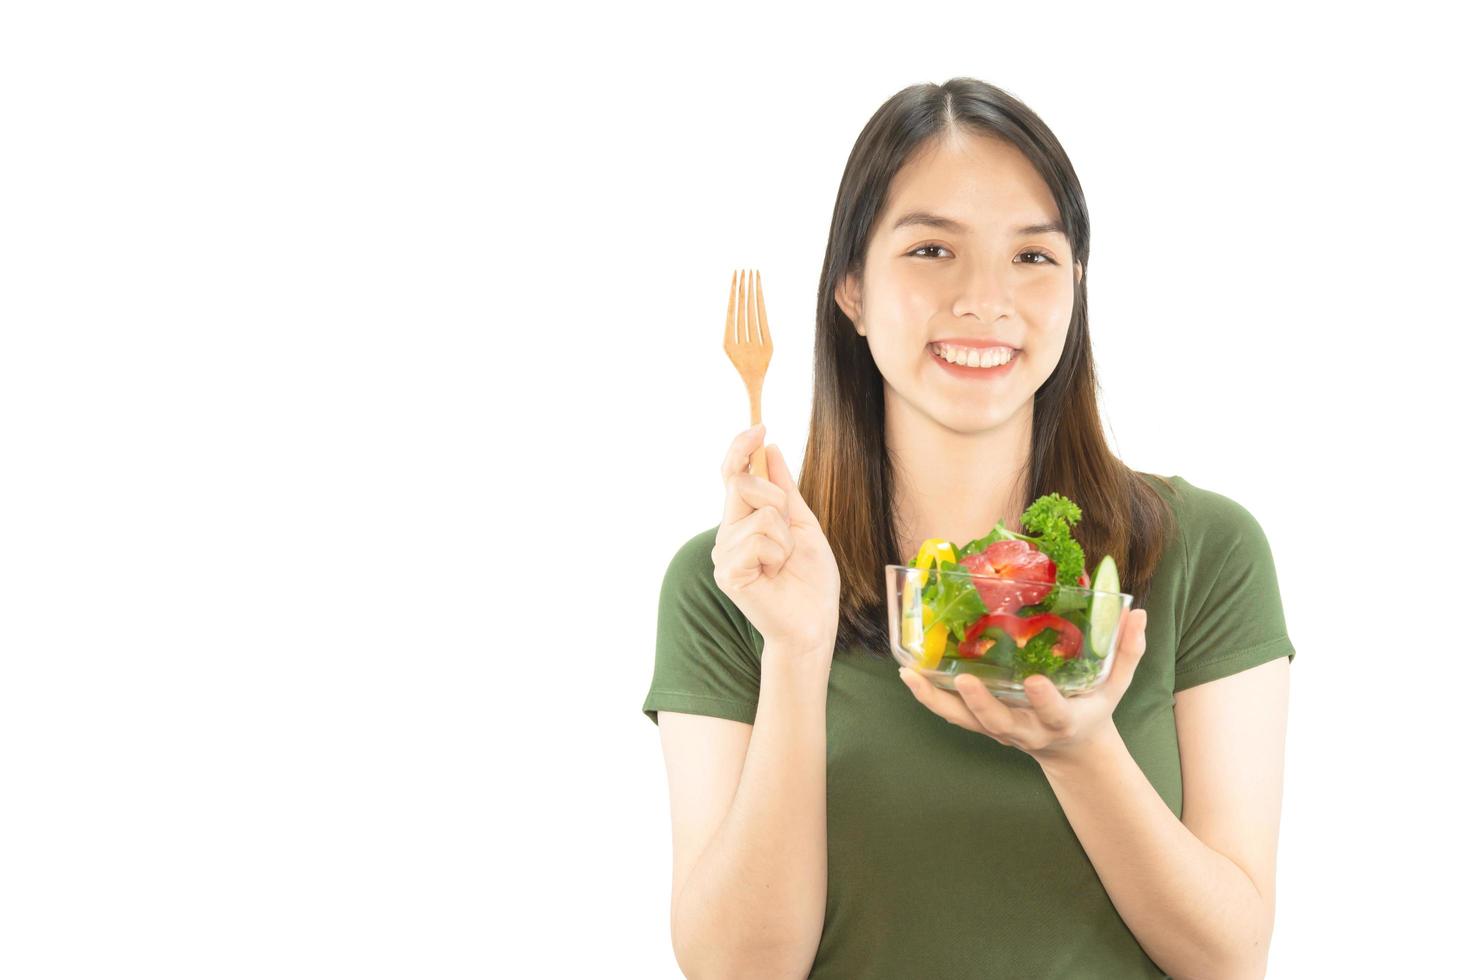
pixel 799 654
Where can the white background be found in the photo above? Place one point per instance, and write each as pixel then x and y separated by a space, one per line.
pixel 361 373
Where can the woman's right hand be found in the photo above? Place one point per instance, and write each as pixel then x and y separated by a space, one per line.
pixel 770 555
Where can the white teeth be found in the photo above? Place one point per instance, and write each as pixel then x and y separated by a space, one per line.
pixel 970 357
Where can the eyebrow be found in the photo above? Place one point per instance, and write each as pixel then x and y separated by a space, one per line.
pixel 958 227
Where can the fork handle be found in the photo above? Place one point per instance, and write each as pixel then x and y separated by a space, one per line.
pixel 757 464
pixel 757 461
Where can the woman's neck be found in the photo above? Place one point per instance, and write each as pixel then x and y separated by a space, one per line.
pixel 956 485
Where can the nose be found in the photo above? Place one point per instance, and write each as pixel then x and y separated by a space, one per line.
pixel 983 294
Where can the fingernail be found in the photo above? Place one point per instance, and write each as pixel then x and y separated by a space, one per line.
pixel 753 429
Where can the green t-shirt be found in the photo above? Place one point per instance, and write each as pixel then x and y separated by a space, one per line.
pixel 948 853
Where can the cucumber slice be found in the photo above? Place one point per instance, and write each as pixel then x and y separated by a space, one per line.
pixel 1105 606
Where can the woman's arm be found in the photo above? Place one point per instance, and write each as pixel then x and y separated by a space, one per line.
pixel 1198 894
pixel 753 902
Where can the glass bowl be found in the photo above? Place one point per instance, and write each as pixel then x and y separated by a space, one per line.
pixel 1009 629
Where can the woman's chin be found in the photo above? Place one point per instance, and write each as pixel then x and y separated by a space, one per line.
pixel 977 413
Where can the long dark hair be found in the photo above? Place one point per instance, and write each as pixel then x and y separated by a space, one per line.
pixel 847 475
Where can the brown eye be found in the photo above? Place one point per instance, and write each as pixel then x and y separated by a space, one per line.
pixel 925 248
pixel 1040 254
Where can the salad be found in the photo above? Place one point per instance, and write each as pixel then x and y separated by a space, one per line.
pixel 1007 615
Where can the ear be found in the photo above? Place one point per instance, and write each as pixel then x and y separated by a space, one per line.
pixel 1078 273
pixel 848 297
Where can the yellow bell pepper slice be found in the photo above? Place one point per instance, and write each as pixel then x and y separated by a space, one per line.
pixel 929 649
pixel 930 552
pixel 935 640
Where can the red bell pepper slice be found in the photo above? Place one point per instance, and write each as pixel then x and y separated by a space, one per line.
pixel 1021 628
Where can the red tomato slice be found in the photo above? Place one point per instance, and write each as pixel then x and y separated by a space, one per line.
pixel 1030 575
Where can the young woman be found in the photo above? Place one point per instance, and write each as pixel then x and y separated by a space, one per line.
pixel 833 818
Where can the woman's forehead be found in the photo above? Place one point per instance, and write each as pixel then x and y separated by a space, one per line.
pixel 966 189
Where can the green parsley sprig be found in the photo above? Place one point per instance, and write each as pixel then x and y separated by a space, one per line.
pixel 1050 518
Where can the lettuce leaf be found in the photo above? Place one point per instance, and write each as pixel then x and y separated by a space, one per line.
pixel 956 603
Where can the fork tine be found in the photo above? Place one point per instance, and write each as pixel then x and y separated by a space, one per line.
pixel 743 332
pixel 729 338
pixel 739 324
pixel 751 324
pixel 764 321
pixel 749 333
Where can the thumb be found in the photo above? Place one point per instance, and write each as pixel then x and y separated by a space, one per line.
pixel 1130 648
pixel 780 476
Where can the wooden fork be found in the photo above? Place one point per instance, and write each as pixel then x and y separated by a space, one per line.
pixel 747 342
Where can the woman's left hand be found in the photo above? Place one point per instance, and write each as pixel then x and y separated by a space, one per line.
pixel 1056 725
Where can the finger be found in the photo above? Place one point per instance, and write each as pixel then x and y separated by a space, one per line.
pixel 1049 705
pixel 736 463
pixel 781 476
pixel 771 523
pixel 746 492
pixel 746 560
pixel 998 721
pixel 1128 653
pixel 736 460
pixel 949 707
pixel 765 522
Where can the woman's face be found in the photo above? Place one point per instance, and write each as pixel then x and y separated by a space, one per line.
pixel 981 277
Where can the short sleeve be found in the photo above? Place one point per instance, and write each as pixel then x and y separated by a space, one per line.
pixel 706 660
pixel 1233 615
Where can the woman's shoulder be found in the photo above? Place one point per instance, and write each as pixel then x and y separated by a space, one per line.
pixel 1207 517
pixel 694 558
pixel 707 656
pixel 689 580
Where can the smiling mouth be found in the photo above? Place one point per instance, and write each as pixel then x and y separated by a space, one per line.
pixel 976 369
